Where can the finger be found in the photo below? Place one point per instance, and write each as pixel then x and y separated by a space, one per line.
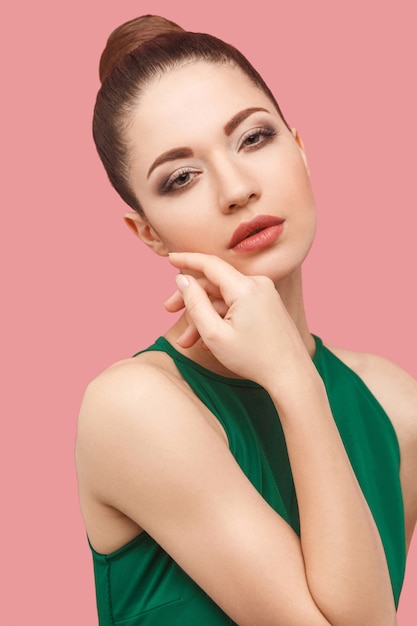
pixel 221 274
pixel 220 307
pixel 199 307
pixel 189 337
pixel 174 303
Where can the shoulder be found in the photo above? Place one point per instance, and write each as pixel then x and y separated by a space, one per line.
pixel 138 389
pixel 392 386
pixel 396 391
pixel 137 403
pixel 139 375
pixel 117 402
pixel 122 372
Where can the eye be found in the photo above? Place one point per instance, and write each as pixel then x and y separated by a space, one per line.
pixel 178 180
pixel 257 137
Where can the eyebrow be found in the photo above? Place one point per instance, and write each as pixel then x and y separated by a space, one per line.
pixel 240 117
pixel 171 155
pixel 186 153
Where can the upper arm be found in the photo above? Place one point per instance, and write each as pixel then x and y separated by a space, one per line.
pixel 150 454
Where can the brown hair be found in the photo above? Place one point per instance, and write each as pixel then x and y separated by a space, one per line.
pixel 136 52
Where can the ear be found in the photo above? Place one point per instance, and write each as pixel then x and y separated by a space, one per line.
pixel 140 227
pixel 300 145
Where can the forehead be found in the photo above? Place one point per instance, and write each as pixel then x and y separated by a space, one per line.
pixel 191 100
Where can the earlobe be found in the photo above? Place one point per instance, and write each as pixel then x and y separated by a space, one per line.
pixel 140 227
pixel 300 145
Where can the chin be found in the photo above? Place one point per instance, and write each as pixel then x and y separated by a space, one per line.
pixel 277 263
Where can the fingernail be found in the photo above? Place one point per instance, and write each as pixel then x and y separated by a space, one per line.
pixel 182 282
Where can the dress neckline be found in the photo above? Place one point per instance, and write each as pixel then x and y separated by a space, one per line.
pixel 164 345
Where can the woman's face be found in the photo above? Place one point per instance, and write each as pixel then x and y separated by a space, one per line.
pixel 210 153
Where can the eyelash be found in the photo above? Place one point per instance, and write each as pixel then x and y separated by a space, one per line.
pixel 267 132
pixel 168 184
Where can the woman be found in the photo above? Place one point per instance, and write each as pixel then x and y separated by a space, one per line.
pixel 201 504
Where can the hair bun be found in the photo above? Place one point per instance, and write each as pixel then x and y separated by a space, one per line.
pixel 130 36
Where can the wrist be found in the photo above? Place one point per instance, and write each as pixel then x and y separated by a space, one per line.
pixel 299 382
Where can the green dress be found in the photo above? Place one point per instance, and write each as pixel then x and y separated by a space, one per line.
pixel 140 585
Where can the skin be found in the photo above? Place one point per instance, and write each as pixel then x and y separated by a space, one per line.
pixel 230 183
pixel 137 472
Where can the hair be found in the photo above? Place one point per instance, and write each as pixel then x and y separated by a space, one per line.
pixel 136 53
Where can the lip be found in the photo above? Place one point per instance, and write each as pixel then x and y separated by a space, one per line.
pixel 259 223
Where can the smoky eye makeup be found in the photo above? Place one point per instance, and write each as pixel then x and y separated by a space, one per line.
pixel 257 137
pixel 252 139
pixel 177 180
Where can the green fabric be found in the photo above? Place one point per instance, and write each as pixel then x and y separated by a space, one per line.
pixel 140 585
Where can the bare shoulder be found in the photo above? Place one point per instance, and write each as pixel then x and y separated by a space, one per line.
pixel 141 399
pixel 121 400
pixel 115 393
pixel 144 373
pixel 146 388
pixel 392 386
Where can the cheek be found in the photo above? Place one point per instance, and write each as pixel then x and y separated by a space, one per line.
pixel 299 186
pixel 184 232
pixel 182 219
pixel 286 172
pixel 298 168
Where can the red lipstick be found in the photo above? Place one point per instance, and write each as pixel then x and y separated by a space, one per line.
pixel 256 234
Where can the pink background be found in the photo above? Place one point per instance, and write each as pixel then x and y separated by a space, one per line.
pixel 79 292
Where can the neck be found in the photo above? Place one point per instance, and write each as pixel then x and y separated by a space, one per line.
pixel 291 293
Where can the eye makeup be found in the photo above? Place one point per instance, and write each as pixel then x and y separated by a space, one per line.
pixel 179 180
pixel 257 137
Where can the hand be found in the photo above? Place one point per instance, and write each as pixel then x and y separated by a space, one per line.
pixel 254 336
pixel 175 303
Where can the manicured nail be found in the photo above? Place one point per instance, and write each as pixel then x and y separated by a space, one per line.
pixel 182 282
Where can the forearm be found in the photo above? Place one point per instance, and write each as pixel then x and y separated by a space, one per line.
pixel 344 558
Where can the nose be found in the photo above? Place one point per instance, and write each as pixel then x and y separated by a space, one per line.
pixel 237 186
